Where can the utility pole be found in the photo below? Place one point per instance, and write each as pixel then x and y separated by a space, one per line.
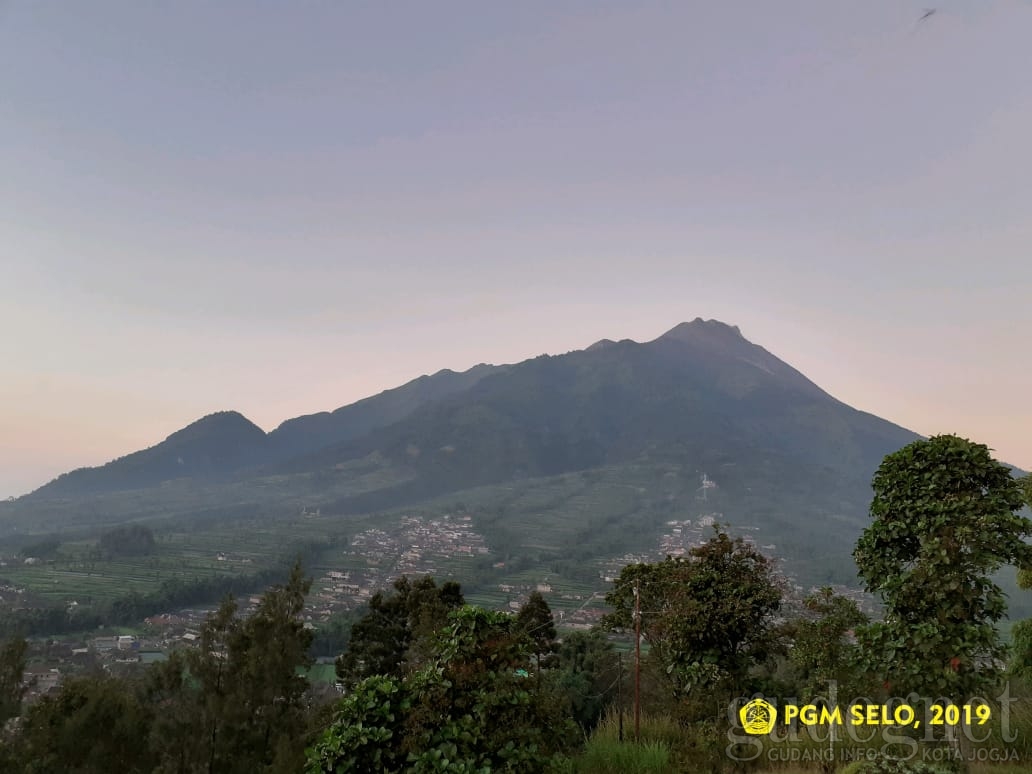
pixel 637 663
pixel 619 692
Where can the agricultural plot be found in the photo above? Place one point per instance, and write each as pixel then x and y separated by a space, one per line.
pixel 80 574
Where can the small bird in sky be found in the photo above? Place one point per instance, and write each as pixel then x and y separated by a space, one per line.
pixel 928 12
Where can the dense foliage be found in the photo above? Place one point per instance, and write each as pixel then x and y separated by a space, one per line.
pixel 708 616
pixel 944 518
pixel 823 649
pixel 235 704
pixel 12 666
pixel 391 637
pixel 471 707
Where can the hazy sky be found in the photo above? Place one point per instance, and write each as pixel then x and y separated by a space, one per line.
pixel 282 207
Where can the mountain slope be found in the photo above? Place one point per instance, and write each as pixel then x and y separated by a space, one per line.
pixel 313 431
pixel 207 448
pixel 699 392
pixel 566 461
pixel 227 444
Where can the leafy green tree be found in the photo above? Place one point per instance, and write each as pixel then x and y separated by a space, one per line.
pixel 394 634
pixel 1026 489
pixel 469 708
pixel 178 724
pixel 1021 635
pixel 588 671
pixel 822 648
pixel 535 619
pixel 366 733
pixel 251 692
pixel 93 724
pixel 944 518
pixel 235 703
pixel 265 655
pixel 213 699
pixel 473 704
pixel 332 636
pixel 1021 651
pixel 708 616
pixel 12 668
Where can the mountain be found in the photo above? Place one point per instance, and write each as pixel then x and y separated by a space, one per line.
pixel 701 394
pixel 561 465
pixel 314 431
pixel 206 448
pixel 227 444
pixel 585 454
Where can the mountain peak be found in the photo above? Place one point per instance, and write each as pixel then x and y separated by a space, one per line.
pixel 217 423
pixel 698 328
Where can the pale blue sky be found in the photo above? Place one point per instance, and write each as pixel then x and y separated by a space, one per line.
pixel 283 207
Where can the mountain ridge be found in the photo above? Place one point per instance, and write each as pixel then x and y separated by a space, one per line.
pixel 731 376
pixel 571 458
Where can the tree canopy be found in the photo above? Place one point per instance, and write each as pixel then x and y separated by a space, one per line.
pixel 708 616
pixel 469 708
pixel 535 619
pixel 235 704
pixel 392 635
pixel 944 517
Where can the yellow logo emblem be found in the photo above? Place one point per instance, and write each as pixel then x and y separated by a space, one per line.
pixel 758 717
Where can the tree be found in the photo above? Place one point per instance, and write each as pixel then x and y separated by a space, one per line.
pixel 392 637
pixel 265 655
pixel 471 702
pixel 366 733
pixel 178 726
pixel 92 724
pixel 708 616
pixel 467 709
pixel 1021 635
pixel 822 649
pixel 588 673
pixel 12 668
pixel 1026 489
pixel 944 518
pixel 235 704
pixel 332 636
pixel 535 619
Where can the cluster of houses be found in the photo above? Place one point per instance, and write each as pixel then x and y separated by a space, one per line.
pixel 48 662
pixel 376 557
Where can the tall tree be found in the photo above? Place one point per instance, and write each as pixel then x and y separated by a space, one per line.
pixel 265 655
pixel 944 518
pixel 535 619
pixel 240 695
pixel 209 666
pixel 588 675
pixel 12 668
pixel 1021 635
pixel 394 634
pixel 467 709
pixel 823 649
pixel 91 724
pixel 707 616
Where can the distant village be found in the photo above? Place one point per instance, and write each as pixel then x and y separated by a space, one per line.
pixel 413 546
